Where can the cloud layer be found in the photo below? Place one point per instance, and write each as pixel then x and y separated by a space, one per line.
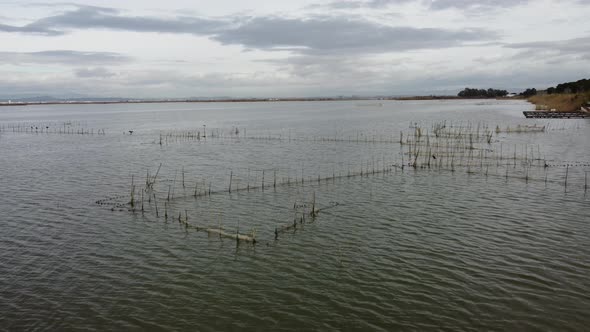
pixel 429 4
pixel 331 35
pixel 64 57
pixel 317 35
pixel 324 48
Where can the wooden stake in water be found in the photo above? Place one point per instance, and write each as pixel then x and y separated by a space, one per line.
pixel 156 205
pixel 238 233
pixel 132 202
pixel 313 211
pixel 231 175
pixel 302 180
pixel 567 166
pixel 545 177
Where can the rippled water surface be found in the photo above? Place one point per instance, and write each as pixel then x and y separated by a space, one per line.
pixel 495 247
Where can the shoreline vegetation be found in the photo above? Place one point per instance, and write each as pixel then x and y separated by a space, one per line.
pixel 565 97
pixel 238 100
pixel 561 102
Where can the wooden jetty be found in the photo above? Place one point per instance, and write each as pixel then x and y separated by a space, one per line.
pixel 555 115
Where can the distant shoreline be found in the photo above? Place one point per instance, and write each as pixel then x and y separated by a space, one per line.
pixel 238 100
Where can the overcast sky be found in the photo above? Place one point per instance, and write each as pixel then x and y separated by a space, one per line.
pixel 275 48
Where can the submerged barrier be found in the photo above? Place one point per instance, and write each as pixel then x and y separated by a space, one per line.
pixel 472 149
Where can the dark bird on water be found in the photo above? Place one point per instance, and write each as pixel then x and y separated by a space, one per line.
pixel 433 157
pixel 130 132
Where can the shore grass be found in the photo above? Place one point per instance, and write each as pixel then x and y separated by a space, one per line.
pixel 562 102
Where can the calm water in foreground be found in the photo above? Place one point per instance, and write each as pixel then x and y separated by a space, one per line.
pixel 414 250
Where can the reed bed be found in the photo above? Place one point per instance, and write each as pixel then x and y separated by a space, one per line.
pixel 56 128
pixel 563 125
pixel 562 102
pixel 195 135
pixel 157 194
pixel 462 151
pixel 522 129
pixel 467 146
pixel 304 212
pixel 457 148
pixel 162 192
pixel 465 133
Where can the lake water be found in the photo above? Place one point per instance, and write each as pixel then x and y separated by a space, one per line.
pixel 489 243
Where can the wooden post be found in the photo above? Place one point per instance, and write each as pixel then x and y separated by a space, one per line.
pixel 545 177
pixel 156 205
pixel 567 166
pixel 231 174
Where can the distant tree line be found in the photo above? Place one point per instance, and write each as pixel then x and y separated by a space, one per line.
pixel 528 92
pixel 578 86
pixel 481 93
pixel 582 85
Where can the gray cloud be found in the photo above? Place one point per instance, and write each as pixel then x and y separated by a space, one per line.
pixel 89 17
pixel 318 35
pixel 553 51
pixel 99 72
pixel 31 29
pixel 473 4
pixel 568 46
pixel 331 35
pixel 430 4
pixel 354 4
pixel 65 57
